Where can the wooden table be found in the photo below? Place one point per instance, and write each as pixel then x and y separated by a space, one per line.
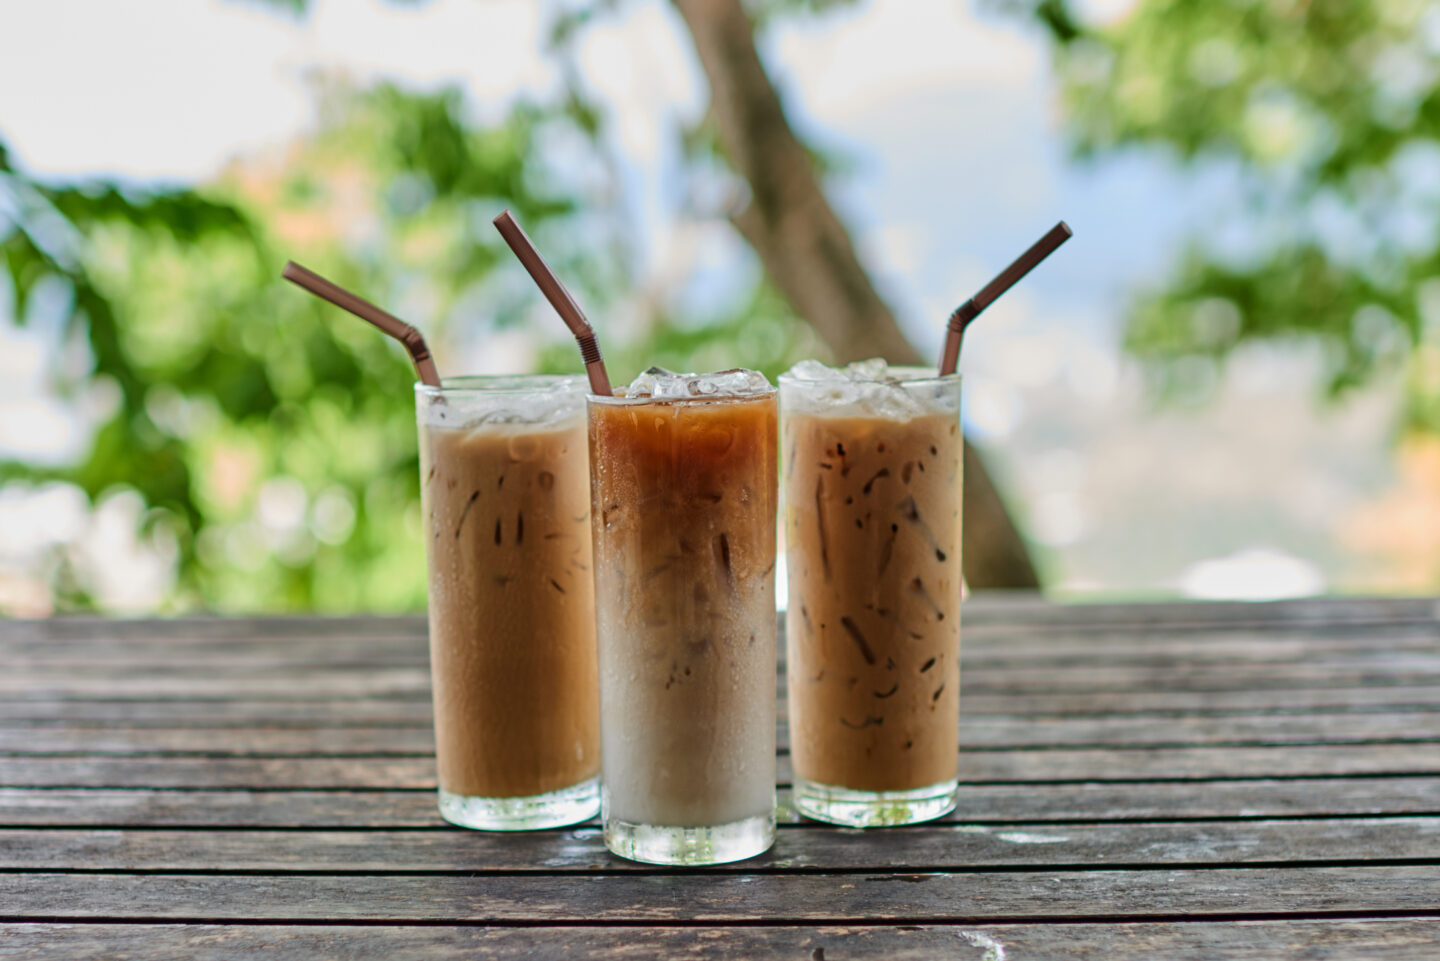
pixel 1176 781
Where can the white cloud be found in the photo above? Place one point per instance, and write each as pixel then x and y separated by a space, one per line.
pixel 172 89
pixel 851 62
pixel 160 88
pixel 492 48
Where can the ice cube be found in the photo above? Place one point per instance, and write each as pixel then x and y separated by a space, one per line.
pixel 673 386
pixel 645 382
pixel 814 370
pixel 893 402
pixel 875 369
pixel 659 383
pixel 729 383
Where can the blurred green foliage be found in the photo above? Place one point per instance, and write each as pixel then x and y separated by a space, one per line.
pixel 270 435
pixel 1326 116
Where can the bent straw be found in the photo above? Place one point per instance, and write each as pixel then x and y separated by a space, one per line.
pixel 560 299
pixel 390 324
pixel 991 292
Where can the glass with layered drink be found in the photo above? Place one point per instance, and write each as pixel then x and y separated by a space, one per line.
pixel 683 482
pixel 506 497
pixel 872 487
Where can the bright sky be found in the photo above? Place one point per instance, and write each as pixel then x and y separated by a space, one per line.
pixel 173 88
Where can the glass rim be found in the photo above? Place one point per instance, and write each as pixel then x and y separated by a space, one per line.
pixel 932 377
pixel 699 399
pixel 492 385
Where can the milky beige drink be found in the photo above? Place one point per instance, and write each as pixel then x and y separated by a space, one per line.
pixel 684 506
pixel 505 493
pixel 872 476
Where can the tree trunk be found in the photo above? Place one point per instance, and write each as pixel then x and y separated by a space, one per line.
pixel 808 254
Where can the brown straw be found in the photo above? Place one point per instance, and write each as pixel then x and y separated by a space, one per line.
pixel 991 292
pixel 390 324
pixel 560 299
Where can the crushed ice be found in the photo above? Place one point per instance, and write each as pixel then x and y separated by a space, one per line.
pixel 870 386
pixel 874 370
pixel 662 384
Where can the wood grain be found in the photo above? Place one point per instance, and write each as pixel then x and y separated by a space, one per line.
pixel 982 646
pixel 977 733
pixel 978 804
pixel 977 767
pixel 360 711
pixel 924 848
pixel 1176 781
pixel 1388 939
pixel 659 898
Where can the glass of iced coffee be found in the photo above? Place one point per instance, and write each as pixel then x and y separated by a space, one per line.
pixel 683 500
pixel 506 497
pixel 872 487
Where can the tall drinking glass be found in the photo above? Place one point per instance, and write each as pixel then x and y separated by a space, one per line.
pixel 505 491
pixel 683 507
pixel 872 525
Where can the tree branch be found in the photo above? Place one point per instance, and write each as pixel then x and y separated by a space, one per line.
pixel 808 254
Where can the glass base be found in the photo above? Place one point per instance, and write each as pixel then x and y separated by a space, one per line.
pixel 718 844
pixel 570 805
pixel 873 809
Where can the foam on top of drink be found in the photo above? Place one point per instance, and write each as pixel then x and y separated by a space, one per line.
pixel 661 384
pixel 866 388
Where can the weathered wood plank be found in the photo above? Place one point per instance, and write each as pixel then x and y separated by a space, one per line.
pixel 242 658
pixel 1361 670
pixel 990 647
pixel 1201 763
pixel 983 646
pixel 207 773
pixel 203 629
pixel 983 609
pixel 362 712
pixel 975 733
pixel 997 733
pixel 922 848
pixel 1160 702
pixel 1033 611
pixel 1387 939
pixel 272 683
pixel 999 804
pixel 77 741
pixel 308 711
pixel 1017 610
pixel 162 808
pixel 720 897
pixel 976 767
pixel 280 681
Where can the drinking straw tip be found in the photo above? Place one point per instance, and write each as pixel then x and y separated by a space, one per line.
pixel 408 336
pixel 1007 278
pixel 559 298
